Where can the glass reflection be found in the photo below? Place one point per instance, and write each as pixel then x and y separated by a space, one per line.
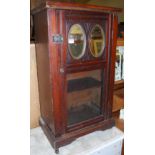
pixel 84 91
pixel 97 41
pixel 76 41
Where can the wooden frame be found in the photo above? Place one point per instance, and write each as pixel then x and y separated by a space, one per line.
pixel 54 63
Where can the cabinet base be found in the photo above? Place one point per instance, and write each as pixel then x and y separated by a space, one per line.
pixel 67 138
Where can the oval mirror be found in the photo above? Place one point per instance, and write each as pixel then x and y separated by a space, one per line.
pixel 76 41
pixel 97 41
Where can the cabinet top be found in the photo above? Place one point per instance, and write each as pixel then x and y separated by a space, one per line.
pixel 74 6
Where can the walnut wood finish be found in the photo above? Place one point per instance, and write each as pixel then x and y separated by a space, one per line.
pixel 54 64
pixel 75 6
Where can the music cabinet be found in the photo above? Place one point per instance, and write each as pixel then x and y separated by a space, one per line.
pixel 75 48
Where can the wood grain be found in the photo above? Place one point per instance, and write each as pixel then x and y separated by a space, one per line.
pixel 74 6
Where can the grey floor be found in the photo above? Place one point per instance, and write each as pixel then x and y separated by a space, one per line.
pixel 108 142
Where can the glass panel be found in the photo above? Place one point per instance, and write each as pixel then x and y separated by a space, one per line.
pixel 84 96
pixel 97 41
pixel 76 41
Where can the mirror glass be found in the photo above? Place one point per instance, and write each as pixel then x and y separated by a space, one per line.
pixel 76 41
pixel 97 41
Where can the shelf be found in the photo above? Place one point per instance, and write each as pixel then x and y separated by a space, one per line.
pixel 83 113
pixel 120 42
pixel 118 100
pixel 83 83
pixel 119 84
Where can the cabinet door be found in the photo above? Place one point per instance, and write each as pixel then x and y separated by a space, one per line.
pixel 84 63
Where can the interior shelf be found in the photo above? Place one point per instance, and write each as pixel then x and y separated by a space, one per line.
pixel 83 113
pixel 83 83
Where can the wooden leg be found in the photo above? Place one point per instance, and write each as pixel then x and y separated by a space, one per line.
pixel 57 151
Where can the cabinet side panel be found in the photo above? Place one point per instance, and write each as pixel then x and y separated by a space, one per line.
pixel 112 62
pixel 54 23
pixel 43 67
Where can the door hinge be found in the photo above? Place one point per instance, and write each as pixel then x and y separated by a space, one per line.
pixel 57 38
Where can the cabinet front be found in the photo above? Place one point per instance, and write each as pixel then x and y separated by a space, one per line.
pixel 84 62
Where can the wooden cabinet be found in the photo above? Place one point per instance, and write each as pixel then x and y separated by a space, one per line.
pixel 75 46
pixel 118 98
